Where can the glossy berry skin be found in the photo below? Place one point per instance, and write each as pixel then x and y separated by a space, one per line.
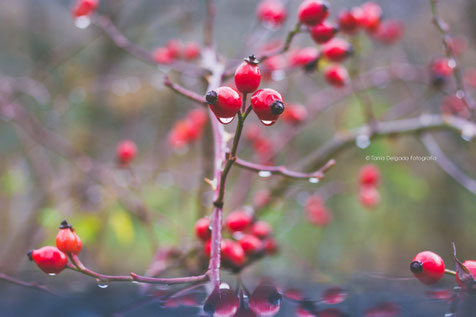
pixel 265 300
pixel 67 240
pixel 271 12
pixel 49 259
pixel 233 253
pixel 221 302
pixel 336 75
pixel 261 229
pixel 238 221
pixel 323 32
pixel 225 102
pixel 349 20
pixel 337 50
pixel 247 75
pixel 250 244
pixel 369 175
pixel 369 196
pixel 126 151
pixel 428 267
pixel 202 229
pixel 371 16
pixel 85 7
pixel 268 105
pixel 471 266
pixel 312 12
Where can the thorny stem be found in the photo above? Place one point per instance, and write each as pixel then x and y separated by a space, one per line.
pixel 446 38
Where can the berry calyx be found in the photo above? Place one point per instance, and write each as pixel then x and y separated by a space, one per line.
pixel 323 32
pixel 247 75
pixel 49 259
pixel 471 266
pixel 369 175
pixel 268 105
pixel 202 229
pixel 238 221
pixel 337 50
pixel 428 267
pixel 271 12
pixel 85 7
pixel 337 75
pixel 67 240
pixel 312 12
pixel 126 151
pixel 225 102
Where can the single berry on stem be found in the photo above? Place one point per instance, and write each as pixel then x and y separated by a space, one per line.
pixel 337 75
pixel 247 75
pixel 85 7
pixel 268 105
pixel 49 259
pixel 225 102
pixel 369 175
pixel 428 267
pixel 337 50
pixel 202 229
pixel 238 221
pixel 323 32
pixel 271 12
pixel 312 12
pixel 126 151
pixel 67 240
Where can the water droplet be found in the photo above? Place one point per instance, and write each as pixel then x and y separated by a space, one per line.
pixel 467 133
pixel 452 63
pixel 460 94
pixel 135 282
pixel 225 120
pixel 264 173
pixel 278 75
pixel 51 274
pixel 362 141
pixel 225 286
pixel 313 180
pixel 102 284
pixel 268 123
pixel 82 22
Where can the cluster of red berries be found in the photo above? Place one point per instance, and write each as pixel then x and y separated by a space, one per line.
pixel 225 102
pixel 84 7
pixel 317 212
pixel 126 151
pixel 428 267
pixel 369 179
pixel 52 260
pixel 174 49
pixel 249 239
pixel 188 129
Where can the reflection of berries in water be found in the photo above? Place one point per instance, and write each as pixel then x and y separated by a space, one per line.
pixel 221 302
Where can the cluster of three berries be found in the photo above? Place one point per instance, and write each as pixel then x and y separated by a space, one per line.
pixel 225 102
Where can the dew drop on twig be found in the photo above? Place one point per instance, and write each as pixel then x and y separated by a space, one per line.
pixel 264 173
pixel 101 283
pixel 362 141
pixel 82 22
pixel 313 180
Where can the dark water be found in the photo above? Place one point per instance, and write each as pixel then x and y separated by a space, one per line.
pixel 365 295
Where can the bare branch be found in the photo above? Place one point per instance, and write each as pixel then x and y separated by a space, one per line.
pixel 184 92
pixel 32 285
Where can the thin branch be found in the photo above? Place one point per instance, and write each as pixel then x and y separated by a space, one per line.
pixel 209 23
pixel 81 268
pixel 184 91
pixel 32 285
pixel 282 170
pixel 443 28
pixel 287 43
pixel 447 165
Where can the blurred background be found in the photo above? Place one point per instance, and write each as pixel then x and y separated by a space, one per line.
pixel 78 84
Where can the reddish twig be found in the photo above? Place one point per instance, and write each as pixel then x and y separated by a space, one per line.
pixel 32 285
pixel 282 170
pixel 184 92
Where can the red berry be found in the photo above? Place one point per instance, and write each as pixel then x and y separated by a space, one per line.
pixel 441 69
pixel 85 7
pixel 265 300
pixel 270 246
pixel 471 266
pixel 312 12
pixel 191 51
pixel 268 105
pixel 458 45
pixel 369 175
pixel 302 57
pixel 261 229
pixel 428 267
pixel 49 259
pixel 174 47
pixel 336 75
pixel 337 50
pixel 323 32
pixel 233 253
pixel 371 16
pixel 67 240
pixel 271 12
pixel 225 102
pixel 294 114
pixel 207 248
pixel 250 244
pixel 126 151
pixel 349 20
pixel 202 229
pixel 455 106
pixel 334 295
pixel 369 196
pixel 247 75
pixel 162 55
pixel 389 31
pixel 238 221
pixel 318 215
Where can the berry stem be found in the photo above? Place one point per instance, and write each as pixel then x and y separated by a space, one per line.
pixel 32 285
pixel 450 272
